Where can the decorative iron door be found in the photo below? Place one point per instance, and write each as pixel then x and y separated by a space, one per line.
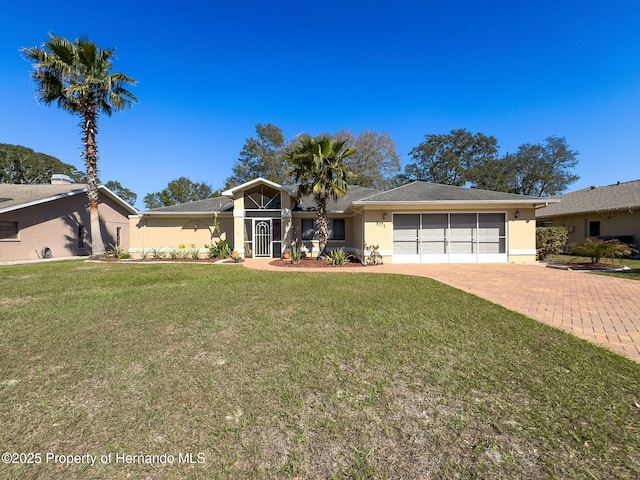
pixel 262 238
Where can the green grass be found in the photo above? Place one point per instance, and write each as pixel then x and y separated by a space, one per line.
pixel 634 265
pixel 309 375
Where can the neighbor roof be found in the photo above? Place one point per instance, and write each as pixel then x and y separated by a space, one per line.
pixel 610 198
pixel 17 196
pixel 424 192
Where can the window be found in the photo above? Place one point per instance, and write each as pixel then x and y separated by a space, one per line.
pixel 8 230
pixel 594 229
pixel 336 229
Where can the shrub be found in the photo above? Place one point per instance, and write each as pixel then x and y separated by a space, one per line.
pixel 116 251
pixel 175 253
pixel 597 249
pixel 157 253
pixel 193 252
pixel 221 250
pixel 373 255
pixel 550 240
pixel 296 254
pixel 337 257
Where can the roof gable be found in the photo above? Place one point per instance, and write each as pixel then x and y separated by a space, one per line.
pixel 610 198
pixel 257 181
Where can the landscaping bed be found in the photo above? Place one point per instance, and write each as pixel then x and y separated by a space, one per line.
pixel 313 263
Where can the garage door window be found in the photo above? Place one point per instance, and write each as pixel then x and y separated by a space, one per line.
pixel 406 229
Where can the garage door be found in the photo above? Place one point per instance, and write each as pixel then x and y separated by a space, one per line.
pixel 449 237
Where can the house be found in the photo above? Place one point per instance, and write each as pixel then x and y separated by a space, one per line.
pixel 606 212
pixel 52 220
pixel 418 223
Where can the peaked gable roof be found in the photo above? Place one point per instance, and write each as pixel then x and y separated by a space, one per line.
pixel 422 192
pixel 17 196
pixel 610 198
pixel 257 181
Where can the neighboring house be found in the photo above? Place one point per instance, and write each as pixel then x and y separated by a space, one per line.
pixel 53 220
pixel 418 223
pixel 597 212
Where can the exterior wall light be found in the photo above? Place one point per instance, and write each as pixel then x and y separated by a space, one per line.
pixel 517 213
pixel 384 217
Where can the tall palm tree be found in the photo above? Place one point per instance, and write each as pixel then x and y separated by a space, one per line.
pixel 77 76
pixel 318 169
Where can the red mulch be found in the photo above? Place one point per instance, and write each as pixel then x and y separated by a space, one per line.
pixel 312 263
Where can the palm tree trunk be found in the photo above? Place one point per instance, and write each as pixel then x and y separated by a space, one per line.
pixel 90 130
pixel 322 223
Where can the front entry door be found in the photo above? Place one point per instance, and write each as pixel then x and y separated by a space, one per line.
pixel 262 238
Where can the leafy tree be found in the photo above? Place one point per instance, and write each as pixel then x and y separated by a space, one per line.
pixel 536 170
pixel 181 190
pixel 261 156
pixel 124 193
pixel 449 159
pixel 375 162
pixel 77 76
pixel 319 169
pixel 23 165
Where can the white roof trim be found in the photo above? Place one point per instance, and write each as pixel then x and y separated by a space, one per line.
pixel 244 186
pixel 454 202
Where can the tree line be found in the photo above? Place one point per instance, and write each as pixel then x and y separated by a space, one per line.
pixel 457 158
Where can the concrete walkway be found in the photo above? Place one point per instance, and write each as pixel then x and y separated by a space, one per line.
pixel 602 309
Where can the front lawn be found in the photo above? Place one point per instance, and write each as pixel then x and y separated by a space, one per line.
pixel 217 371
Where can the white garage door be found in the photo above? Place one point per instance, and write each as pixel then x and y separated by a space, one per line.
pixel 449 237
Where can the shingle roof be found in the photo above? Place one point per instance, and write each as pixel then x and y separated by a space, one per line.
pixel 432 192
pixel 610 198
pixel 208 205
pixel 15 196
pixel 355 193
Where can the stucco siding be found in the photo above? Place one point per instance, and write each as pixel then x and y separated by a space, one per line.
pixel 611 225
pixel 171 232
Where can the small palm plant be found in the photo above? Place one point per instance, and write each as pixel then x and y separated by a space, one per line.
pixel 597 249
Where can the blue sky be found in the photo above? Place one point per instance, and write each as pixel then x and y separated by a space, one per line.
pixel 209 71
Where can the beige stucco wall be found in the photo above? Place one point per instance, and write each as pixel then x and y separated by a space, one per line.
pixel 611 224
pixel 521 235
pixel 55 225
pixel 168 232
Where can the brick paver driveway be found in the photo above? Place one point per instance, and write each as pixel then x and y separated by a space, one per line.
pixel 598 308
